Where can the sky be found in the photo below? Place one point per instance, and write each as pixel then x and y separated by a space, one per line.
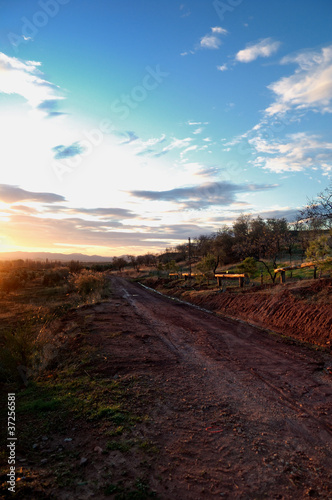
pixel 127 126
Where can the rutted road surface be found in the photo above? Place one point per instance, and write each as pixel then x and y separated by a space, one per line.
pixel 236 412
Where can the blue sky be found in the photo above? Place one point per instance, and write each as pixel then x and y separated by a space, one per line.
pixel 128 126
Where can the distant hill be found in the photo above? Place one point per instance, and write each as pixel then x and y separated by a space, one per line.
pixel 53 256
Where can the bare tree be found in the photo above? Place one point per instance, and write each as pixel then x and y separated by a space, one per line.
pixel 319 210
pixel 203 245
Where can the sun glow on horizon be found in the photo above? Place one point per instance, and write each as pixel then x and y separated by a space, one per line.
pixel 113 145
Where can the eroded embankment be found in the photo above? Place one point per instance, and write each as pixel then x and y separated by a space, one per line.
pixel 302 310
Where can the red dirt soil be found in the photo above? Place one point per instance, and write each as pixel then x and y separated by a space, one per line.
pixel 234 412
pixel 302 310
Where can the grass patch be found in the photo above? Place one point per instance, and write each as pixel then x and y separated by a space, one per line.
pixel 82 396
pixel 41 406
pixel 116 432
pixel 148 447
pixel 53 404
pixel 112 413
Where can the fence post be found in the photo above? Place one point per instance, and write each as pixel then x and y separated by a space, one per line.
pixel 241 282
pixel 283 277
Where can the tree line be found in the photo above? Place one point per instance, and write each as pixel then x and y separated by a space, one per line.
pixel 261 240
pixel 250 239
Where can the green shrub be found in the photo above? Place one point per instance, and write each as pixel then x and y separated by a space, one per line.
pixel 248 266
pixel 320 252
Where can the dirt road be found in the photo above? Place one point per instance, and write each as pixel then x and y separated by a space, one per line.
pixel 236 413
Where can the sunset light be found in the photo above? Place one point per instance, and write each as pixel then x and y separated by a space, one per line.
pixel 166 249
pixel 137 128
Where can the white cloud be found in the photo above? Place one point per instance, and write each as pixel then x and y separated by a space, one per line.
pixel 189 122
pixel 24 78
pixel 189 148
pixel 310 87
pixel 296 153
pixel 264 48
pixel 219 30
pixel 145 146
pixel 212 40
pixel 185 53
pixel 175 144
pixel 223 67
pixel 179 143
pixel 199 130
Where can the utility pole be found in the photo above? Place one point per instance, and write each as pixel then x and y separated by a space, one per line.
pixel 189 257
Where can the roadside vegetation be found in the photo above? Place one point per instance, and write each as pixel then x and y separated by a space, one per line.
pixel 253 246
pixel 38 294
pixel 33 296
pixel 47 308
pixel 46 312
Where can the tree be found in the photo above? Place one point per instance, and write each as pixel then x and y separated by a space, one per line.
pixel 133 261
pixel 260 239
pixel 203 245
pixel 222 247
pixel 319 210
pixel 303 235
pixel 181 249
pixel 320 251
pixel 147 260
pixel 241 229
pixel 119 263
pixel 272 241
pixel 277 230
pixel 290 241
pixel 171 255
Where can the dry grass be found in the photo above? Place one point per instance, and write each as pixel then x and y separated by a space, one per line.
pixel 29 310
